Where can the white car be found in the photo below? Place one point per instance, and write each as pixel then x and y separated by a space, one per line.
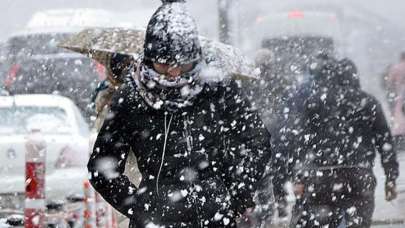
pixel 74 19
pixel 33 62
pixel 67 139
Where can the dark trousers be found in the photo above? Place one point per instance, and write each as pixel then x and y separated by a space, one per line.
pixel 336 195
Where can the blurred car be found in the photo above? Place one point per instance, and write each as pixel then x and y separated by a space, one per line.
pixel 70 18
pixel 67 138
pixel 295 37
pixel 35 65
pixel 293 23
pixel 294 53
pixel 289 42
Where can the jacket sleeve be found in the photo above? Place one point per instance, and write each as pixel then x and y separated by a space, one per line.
pixel 290 141
pixel 385 145
pixel 247 148
pixel 280 159
pixel 107 162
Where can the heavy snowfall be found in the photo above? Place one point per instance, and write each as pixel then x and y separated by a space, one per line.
pixel 216 113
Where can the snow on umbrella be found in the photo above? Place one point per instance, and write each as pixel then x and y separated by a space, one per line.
pixel 101 43
pixel 228 60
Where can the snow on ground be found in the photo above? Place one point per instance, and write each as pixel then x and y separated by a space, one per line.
pixel 390 210
pixel 384 211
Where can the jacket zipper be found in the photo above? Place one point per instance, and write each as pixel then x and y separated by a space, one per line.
pixel 167 130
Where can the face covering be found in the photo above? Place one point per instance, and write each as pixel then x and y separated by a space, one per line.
pixel 163 93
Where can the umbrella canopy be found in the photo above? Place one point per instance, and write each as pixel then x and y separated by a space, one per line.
pixel 101 43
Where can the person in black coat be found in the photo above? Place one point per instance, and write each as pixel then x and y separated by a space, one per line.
pixel 332 142
pixel 200 148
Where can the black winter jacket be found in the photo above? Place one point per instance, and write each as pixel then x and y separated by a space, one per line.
pixel 335 126
pixel 200 165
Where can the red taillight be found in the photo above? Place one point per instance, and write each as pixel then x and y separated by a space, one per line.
pixel 296 14
pixel 12 75
pixel 259 19
pixel 101 71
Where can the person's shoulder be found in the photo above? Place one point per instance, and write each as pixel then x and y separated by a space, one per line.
pixel 303 92
pixel 367 100
pixel 226 86
pixel 126 94
pixel 229 91
pixel 362 94
pixel 224 94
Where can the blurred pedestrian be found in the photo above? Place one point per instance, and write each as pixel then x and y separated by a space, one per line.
pixel 273 89
pixel 395 86
pixel 200 147
pixel 395 82
pixel 118 66
pixel 333 144
pixel 268 95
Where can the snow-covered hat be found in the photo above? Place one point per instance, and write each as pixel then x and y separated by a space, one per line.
pixel 324 67
pixel 172 36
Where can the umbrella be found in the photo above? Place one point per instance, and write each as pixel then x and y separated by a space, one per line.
pixel 101 43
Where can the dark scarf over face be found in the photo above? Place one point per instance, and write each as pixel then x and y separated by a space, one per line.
pixel 162 93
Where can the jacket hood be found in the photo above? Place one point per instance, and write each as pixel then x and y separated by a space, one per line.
pixel 172 36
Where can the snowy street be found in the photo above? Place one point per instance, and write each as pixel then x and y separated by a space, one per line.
pixel 390 210
pixel 182 113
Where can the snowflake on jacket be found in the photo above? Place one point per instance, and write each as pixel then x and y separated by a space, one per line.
pixel 200 163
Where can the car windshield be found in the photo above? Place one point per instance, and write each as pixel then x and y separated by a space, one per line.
pixel 35 44
pixel 295 52
pixel 22 119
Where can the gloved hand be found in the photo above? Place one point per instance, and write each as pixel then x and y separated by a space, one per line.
pixel 247 219
pixel 281 206
pixel 282 212
pixel 298 189
pixel 390 190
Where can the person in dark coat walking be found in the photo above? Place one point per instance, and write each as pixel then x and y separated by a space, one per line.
pixel 200 148
pixel 333 144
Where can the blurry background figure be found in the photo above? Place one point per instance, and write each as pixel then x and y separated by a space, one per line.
pixel 395 81
pixel 369 31
pixel 283 62
pixel 335 136
pixel 395 87
pixel 119 67
pixel 268 92
pixel 269 95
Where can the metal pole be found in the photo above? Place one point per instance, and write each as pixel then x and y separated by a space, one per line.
pixel 35 160
pixel 101 212
pixel 223 21
pixel 114 220
pixel 89 206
